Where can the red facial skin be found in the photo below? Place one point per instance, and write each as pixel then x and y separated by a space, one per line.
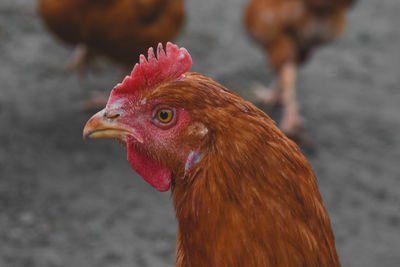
pixel 156 150
pixel 141 118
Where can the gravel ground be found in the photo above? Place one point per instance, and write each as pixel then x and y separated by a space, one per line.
pixel 69 202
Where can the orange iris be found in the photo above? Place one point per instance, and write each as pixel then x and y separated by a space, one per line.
pixel 165 115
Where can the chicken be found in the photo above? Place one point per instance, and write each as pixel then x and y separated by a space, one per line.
pixel 288 31
pixel 118 29
pixel 243 193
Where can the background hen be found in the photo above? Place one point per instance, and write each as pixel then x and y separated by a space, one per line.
pixel 244 194
pixel 117 29
pixel 288 31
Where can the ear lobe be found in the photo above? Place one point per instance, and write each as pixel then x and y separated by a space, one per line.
pixel 197 130
pixel 191 161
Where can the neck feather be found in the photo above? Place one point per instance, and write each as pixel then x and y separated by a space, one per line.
pixel 252 203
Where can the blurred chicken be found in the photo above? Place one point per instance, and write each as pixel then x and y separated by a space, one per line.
pixel 118 29
pixel 244 194
pixel 288 31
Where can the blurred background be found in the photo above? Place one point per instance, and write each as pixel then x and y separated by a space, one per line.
pixel 69 202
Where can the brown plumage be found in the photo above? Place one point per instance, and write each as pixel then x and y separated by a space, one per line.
pixel 253 199
pixel 288 31
pixel 243 192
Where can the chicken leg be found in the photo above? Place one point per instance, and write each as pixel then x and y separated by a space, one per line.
pixel 79 61
pixel 291 122
pixel 283 92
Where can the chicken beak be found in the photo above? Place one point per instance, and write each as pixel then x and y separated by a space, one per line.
pixel 102 126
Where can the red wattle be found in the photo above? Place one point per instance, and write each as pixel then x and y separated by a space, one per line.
pixel 151 171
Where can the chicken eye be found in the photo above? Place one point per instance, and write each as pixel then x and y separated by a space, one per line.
pixel 165 115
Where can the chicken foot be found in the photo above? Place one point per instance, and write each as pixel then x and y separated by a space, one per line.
pixel 269 96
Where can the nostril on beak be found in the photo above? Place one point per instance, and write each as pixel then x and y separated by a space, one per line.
pixel 111 115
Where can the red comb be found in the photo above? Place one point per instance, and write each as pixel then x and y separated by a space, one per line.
pixel 148 73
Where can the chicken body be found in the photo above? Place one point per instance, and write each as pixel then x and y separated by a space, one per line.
pixel 118 29
pixel 288 31
pixel 244 194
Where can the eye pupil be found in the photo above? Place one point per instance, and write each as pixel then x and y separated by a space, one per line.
pixel 164 115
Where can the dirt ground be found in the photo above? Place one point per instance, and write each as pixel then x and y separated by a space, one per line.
pixel 69 202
